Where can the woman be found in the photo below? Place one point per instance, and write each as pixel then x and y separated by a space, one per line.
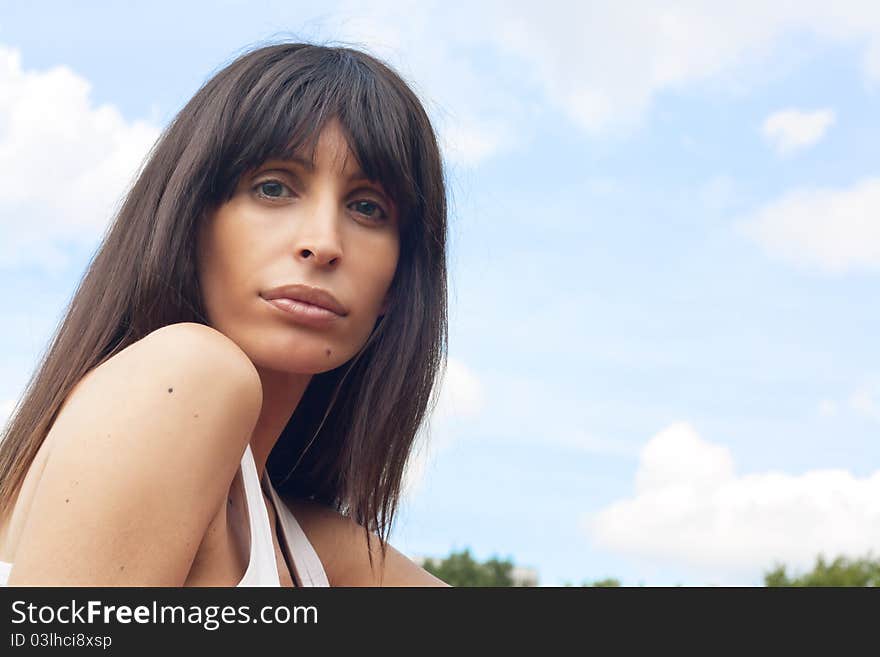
pixel 252 349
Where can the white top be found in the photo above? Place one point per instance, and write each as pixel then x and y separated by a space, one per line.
pixel 262 569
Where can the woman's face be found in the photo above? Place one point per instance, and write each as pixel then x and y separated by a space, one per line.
pixel 288 224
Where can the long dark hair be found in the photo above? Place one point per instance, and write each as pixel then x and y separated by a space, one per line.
pixel 349 440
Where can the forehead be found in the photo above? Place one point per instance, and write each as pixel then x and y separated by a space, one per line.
pixel 330 152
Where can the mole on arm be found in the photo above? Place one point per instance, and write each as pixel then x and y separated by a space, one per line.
pixel 328 352
pixel 170 389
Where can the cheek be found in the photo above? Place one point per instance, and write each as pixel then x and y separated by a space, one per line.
pixel 221 264
pixel 372 278
pixel 385 274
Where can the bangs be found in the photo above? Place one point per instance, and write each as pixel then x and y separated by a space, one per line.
pixel 279 112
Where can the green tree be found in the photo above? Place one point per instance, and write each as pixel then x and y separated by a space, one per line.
pixel 842 571
pixel 604 583
pixel 461 569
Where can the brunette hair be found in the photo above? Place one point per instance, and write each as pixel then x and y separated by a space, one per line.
pixel 267 104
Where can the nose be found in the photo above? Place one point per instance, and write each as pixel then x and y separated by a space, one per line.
pixel 319 239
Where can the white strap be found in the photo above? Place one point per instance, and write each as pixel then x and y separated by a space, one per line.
pixel 307 566
pixel 262 569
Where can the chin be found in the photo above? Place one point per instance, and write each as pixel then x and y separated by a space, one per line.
pixel 302 359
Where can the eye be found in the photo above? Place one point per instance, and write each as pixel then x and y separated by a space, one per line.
pixel 272 189
pixel 369 209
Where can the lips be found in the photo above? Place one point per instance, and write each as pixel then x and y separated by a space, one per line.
pixel 315 296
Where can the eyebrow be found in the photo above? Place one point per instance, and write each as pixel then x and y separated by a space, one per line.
pixel 309 166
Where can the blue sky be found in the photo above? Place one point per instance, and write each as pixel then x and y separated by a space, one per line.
pixel 664 254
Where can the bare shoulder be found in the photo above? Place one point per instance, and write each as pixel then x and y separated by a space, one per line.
pixel 341 544
pixel 182 352
pixel 190 348
pixel 142 454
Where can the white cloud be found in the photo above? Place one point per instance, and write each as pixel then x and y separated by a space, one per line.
pixel 866 401
pixel 863 401
pixel 836 230
pixel 828 407
pixel 719 193
pixel 691 508
pixel 470 142
pixel 604 64
pixel 462 393
pixel 490 70
pixel 523 409
pixel 792 130
pixel 580 439
pixel 461 397
pixel 473 112
pixel 64 163
pixel 6 408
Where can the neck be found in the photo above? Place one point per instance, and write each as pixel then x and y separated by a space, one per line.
pixel 282 392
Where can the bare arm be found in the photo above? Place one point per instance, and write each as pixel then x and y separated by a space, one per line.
pixel 142 455
pixel 342 546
